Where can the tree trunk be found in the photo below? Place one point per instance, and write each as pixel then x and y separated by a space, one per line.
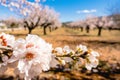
pixel 45 25
pixel 44 30
pixel 50 29
pixel 81 29
pixel 110 28
pixel 30 30
pixel 87 29
pixel 25 27
pixel 99 31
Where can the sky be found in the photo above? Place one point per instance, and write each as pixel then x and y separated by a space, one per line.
pixel 71 10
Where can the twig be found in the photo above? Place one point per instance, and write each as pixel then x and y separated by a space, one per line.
pixel 5 48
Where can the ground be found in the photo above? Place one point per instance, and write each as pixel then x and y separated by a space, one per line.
pixel 108 45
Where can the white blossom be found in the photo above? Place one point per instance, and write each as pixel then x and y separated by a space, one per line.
pixel 67 49
pixel 63 62
pixel 6 40
pixel 4 58
pixel 90 65
pixel 94 53
pixel 92 61
pixel 59 50
pixel 32 52
pixel 82 48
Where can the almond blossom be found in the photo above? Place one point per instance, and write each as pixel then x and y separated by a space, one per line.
pixel 33 52
pixel 67 50
pixel 63 51
pixel 81 48
pixel 6 40
pixel 91 60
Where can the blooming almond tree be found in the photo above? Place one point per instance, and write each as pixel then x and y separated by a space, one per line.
pixel 100 23
pixel 42 16
pixel 33 13
pixel 24 8
pixel 32 19
pixel 76 25
pixel 49 19
pixel 12 22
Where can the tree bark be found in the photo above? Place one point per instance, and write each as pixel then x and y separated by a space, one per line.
pixel 44 30
pixel 87 29
pixel 99 31
pixel 31 26
pixel 30 30
pixel 45 25
pixel 50 29
pixel 110 28
pixel 81 29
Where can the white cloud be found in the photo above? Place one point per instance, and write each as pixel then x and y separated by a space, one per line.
pixel 93 10
pixel 86 11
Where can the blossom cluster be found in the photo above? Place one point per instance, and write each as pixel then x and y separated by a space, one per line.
pixel 32 55
pixel 82 53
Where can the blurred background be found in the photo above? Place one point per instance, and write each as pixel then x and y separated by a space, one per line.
pixel 94 23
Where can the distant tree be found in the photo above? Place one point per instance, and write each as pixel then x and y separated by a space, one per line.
pixel 81 29
pixel 100 24
pixel 88 22
pixel 12 22
pixel 105 22
pixel 50 19
pixel 76 25
pixel 87 28
pixel 114 11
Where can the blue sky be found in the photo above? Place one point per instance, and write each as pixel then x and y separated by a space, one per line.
pixel 71 10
